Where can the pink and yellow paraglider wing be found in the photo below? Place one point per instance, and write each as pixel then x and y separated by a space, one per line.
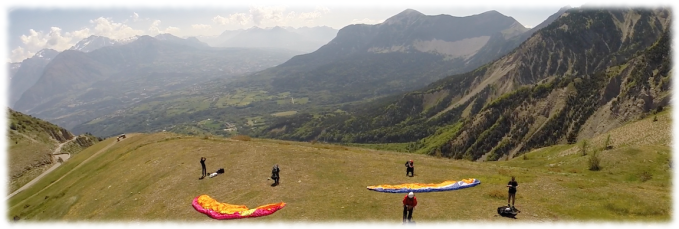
pixel 205 204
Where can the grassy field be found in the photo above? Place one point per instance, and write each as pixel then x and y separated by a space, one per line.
pixel 284 113
pixel 151 177
pixel 397 147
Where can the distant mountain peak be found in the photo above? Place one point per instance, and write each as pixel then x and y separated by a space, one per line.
pixel 92 43
pixel 493 14
pixel 411 12
pixel 405 16
pixel 165 36
pixel 46 53
pixel 128 40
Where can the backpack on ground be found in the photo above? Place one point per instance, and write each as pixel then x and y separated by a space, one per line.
pixel 507 211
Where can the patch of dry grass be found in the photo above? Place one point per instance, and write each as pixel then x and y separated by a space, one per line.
pixel 241 138
pixel 498 194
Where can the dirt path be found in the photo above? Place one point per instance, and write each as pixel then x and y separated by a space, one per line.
pixel 62 177
pixel 64 157
pixel 55 157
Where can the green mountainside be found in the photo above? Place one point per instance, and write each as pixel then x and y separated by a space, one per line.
pixel 555 88
pixel 31 144
pixel 362 63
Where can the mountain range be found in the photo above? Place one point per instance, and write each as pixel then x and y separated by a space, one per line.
pixel 407 51
pixel 363 62
pixel 587 72
pixel 76 86
pixel 303 39
pixel 421 81
pixel 24 75
pixel 577 109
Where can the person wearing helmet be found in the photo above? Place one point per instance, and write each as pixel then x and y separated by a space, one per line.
pixel 409 203
pixel 410 168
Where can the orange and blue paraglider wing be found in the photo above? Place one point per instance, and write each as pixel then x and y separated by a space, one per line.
pixel 419 187
pixel 205 204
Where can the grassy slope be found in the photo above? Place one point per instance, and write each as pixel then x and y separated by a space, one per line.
pixel 25 153
pixel 29 145
pixel 155 177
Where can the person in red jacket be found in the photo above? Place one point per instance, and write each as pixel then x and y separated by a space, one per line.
pixel 409 203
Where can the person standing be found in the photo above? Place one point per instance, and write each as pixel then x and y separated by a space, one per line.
pixel 512 191
pixel 409 203
pixel 410 168
pixel 202 163
pixel 275 174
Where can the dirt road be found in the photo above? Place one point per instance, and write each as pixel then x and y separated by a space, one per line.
pixel 57 165
pixel 55 156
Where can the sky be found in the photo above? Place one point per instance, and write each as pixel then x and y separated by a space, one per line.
pixel 32 27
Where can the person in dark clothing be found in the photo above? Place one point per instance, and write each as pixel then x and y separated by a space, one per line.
pixel 275 176
pixel 410 168
pixel 202 163
pixel 512 191
pixel 409 203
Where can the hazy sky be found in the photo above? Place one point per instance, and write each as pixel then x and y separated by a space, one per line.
pixel 35 25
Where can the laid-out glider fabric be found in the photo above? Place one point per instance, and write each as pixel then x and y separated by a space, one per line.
pixel 216 210
pixel 419 187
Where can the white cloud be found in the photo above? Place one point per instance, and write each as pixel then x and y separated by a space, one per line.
pixel 270 16
pixel 237 18
pixel 18 54
pixel 366 21
pixel 201 26
pixel 263 14
pixel 155 29
pixel 171 29
pixel 38 40
pixel 317 13
pixel 107 28
pixel 58 40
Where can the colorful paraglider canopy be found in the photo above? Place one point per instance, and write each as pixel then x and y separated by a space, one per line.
pixel 419 187
pixel 205 204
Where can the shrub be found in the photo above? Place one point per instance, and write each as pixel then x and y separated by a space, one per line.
pixel 594 162
pixel 525 157
pixel 655 118
pixel 607 144
pixel 583 148
pixel 241 138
